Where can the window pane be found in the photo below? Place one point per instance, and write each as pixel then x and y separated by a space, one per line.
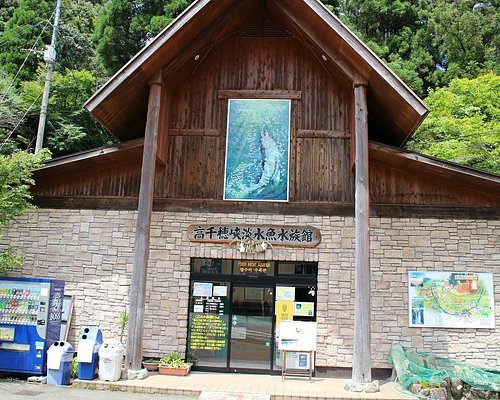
pixel 211 266
pixel 209 323
pixel 291 268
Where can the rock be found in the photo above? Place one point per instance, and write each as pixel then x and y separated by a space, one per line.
pixel 137 374
pixel 415 388
pixel 438 393
pixel 456 388
pixel 353 386
pixel 446 385
pixel 482 394
pixel 372 387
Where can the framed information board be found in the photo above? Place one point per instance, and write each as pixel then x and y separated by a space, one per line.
pixel 297 336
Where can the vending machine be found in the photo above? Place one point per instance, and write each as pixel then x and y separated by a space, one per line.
pixel 30 321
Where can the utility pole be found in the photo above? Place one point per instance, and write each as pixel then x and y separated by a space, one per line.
pixel 49 56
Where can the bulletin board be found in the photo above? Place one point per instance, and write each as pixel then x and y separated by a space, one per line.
pixel 298 336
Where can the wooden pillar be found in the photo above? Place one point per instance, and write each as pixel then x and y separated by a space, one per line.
pixel 361 368
pixel 142 231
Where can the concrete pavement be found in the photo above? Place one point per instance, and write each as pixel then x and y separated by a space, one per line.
pixel 17 389
pixel 198 385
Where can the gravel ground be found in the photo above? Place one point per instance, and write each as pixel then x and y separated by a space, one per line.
pixel 17 388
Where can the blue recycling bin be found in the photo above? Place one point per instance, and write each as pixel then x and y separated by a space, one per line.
pixel 88 353
pixel 59 358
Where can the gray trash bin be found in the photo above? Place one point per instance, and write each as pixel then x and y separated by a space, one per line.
pixel 110 360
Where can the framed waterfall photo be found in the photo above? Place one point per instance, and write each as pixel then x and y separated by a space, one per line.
pixel 257 150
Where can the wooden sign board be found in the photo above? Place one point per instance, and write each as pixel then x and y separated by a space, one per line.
pixel 298 336
pixel 276 235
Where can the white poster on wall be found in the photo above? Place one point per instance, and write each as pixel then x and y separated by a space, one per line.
pixel 451 300
pixel 285 293
pixel 202 289
pixel 297 335
pixel 220 291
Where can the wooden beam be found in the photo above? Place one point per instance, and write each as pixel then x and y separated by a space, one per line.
pixel 260 94
pixel 361 368
pixel 142 232
pixel 308 34
pixel 219 206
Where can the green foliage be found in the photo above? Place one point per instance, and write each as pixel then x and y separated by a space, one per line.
pixel 122 323
pixel 74 368
pixel 122 30
pixel 6 10
pixel 173 360
pixel 464 123
pixel 15 182
pixel 467 35
pixel 397 31
pixel 10 111
pixel 69 128
pixel 125 26
pixel 74 45
pixel 28 27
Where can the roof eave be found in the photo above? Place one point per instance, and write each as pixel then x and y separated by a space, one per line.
pixel 135 62
pixel 365 52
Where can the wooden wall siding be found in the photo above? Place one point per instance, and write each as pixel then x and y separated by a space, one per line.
pixel 193 168
pixel 117 182
pixel 322 168
pixel 396 186
pixel 196 126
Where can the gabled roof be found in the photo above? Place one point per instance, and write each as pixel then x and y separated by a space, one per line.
pixel 121 104
pixel 459 175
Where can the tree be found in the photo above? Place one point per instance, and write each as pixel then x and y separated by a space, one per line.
pixel 15 181
pixel 125 26
pixel 398 32
pixel 69 128
pixel 464 123
pixel 121 30
pixel 27 29
pixel 467 34
pixel 11 112
pixel 74 45
pixel 6 11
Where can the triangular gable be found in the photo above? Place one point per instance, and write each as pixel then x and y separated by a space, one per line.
pixel 121 103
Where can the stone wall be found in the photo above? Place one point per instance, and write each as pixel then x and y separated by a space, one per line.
pixel 93 252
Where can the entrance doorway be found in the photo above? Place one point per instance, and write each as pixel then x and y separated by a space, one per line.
pixel 236 307
pixel 251 328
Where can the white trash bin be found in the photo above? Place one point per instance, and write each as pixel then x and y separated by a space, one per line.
pixel 110 360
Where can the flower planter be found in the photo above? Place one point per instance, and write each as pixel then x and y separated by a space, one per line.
pixel 151 366
pixel 175 371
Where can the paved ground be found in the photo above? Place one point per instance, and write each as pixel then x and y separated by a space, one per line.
pixel 17 389
pixel 196 386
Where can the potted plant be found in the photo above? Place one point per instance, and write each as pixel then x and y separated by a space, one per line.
pixel 173 364
pixel 151 364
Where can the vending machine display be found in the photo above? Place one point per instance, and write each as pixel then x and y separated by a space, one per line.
pixel 30 321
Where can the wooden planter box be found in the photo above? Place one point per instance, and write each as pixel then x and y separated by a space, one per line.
pixel 175 371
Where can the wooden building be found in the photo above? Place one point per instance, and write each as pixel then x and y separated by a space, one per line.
pixel 169 106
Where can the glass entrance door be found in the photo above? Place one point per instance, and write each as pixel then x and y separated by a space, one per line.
pixel 251 328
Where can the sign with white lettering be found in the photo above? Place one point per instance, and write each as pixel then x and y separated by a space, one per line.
pixel 276 235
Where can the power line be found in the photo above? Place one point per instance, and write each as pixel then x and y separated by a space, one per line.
pixel 24 62
pixel 21 32
pixel 20 120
